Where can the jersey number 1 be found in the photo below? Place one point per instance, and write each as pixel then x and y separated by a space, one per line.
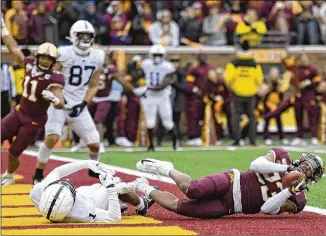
pixel 33 83
pixel 76 73
pixel 154 79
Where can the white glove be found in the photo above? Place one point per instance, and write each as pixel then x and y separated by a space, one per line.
pixel 140 91
pixel 49 96
pixel 218 98
pixel 107 180
pixel 99 168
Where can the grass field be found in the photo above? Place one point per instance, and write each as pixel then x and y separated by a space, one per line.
pixel 200 163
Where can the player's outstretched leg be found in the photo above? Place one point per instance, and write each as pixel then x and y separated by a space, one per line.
pixel 165 168
pixel 164 199
pixel 43 156
pixel 94 154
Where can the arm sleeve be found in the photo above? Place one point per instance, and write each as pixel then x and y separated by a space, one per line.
pixel 263 166
pixel 113 214
pixel 273 205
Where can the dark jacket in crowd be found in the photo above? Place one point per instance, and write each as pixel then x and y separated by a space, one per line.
pixel 179 88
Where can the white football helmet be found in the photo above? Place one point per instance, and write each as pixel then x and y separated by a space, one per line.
pixel 57 200
pixel 82 35
pixel 157 52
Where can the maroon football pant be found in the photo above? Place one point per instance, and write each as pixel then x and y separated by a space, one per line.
pixel 100 110
pixel 133 107
pixel 313 113
pixel 24 127
pixel 209 197
pixel 194 109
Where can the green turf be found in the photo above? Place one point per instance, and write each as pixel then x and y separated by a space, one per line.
pixel 201 163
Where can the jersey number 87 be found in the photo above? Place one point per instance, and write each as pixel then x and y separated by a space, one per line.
pixel 77 72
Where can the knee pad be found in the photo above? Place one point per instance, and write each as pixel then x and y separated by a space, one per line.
pixel 150 123
pixel 44 154
pixel 168 125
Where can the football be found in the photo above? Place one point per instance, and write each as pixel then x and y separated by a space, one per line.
pixel 290 177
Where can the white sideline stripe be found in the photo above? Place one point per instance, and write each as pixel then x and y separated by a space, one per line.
pixel 150 176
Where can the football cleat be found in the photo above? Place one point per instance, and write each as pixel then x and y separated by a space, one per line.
pixel 7 180
pixel 102 148
pixel 268 142
pixel 155 166
pixel 130 187
pixel 148 203
pixel 93 174
pixel 151 149
pixel 37 180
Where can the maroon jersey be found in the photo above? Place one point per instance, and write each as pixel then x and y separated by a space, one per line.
pixel 104 85
pixel 200 74
pixel 32 102
pixel 257 188
pixel 219 88
pixel 308 73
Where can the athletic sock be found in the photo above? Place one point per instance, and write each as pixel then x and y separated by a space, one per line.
pixel 141 205
pixel 38 173
pixel 44 154
pixel 150 136
pixel 94 156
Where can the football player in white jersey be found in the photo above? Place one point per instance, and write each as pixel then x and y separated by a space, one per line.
pixel 59 201
pixel 159 74
pixel 81 65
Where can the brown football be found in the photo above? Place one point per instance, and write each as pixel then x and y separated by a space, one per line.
pixel 290 177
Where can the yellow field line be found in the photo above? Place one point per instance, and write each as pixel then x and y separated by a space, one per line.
pixel 24 221
pixel 16 188
pixel 170 230
pixel 16 200
pixel 19 211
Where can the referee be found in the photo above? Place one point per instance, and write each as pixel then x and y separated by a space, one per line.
pixel 244 77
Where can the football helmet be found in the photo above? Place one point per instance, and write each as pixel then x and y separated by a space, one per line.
pixel 157 53
pixel 46 49
pixel 82 35
pixel 315 163
pixel 57 200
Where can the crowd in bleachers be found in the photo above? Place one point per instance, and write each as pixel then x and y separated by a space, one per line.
pixel 172 23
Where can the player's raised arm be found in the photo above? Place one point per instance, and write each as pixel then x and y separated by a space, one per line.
pixel 266 164
pixel 11 43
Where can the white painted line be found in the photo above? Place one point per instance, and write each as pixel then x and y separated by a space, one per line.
pixel 150 176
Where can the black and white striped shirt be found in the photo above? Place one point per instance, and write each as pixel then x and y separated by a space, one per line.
pixel 7 82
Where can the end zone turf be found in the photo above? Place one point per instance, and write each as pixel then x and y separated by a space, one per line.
pixel 19 217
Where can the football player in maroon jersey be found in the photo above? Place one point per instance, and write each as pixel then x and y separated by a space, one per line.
pixel 231 192
pixel 42 86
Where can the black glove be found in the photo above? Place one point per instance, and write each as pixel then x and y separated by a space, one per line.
pixel 76 110
pixel 291 168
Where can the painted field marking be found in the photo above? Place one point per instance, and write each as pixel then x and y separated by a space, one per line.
pixel 19 211
pixel 169 230
pixel 35 221
pixel 15 200
pixel 150 176
pixel 16 188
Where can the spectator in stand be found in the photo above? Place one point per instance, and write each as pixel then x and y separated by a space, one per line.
pixel 158 7
pixel 16 20
pixel 103 6
pixel 214 27
pixel 319 12
pixel 117 23
pixel 96 19
pixel 198 8
pixel 190 29
pixel 179 7
pixel 36 24
pixel 280 18
pixel 141 24
pixel 266 10
pixel 307 28
pixel 79 6
pixel 251 29
pixel 236 17
pixel 8 90
pixel 66 17
pixel 164 31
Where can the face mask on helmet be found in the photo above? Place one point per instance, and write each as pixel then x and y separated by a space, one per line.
pixel 84 40
pixel 45 62
pixel 312 166
pixel 158 58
